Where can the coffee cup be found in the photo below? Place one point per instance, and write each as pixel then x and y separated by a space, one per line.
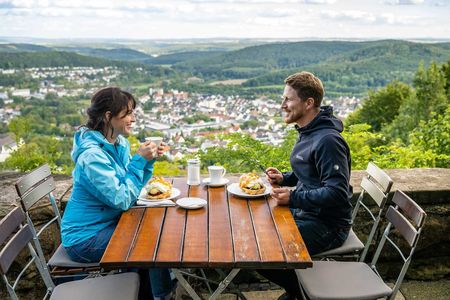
pixel 157 140
pixel 216 173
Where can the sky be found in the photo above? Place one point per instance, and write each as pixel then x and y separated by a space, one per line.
pixel 179 19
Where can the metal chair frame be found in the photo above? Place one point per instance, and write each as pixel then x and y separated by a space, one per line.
pixel 377 184
pixel 409 230
pixel 32 188
pixel 16 235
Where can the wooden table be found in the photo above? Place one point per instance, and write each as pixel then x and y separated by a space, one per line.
pixel 229 233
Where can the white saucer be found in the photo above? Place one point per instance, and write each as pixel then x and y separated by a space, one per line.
pixel 191 202
pixel 223 181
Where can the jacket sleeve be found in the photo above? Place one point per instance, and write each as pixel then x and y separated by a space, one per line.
pixel 289 179
pixel 115 191
pixel 331 160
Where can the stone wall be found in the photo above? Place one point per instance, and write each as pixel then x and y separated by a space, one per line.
pixel 430 188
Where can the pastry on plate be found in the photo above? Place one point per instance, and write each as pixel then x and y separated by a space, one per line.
pixel 251 184
pixel 158 188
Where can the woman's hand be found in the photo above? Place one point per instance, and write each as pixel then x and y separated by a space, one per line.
pixel 147 150
pixel 274 176
pixel 161 149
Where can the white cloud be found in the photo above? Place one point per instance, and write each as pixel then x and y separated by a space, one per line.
pixel 404 2
pixel 226 18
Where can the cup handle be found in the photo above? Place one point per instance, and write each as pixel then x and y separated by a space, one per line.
pixel 224 172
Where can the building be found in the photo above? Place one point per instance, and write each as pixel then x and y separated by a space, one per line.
pixel 7 146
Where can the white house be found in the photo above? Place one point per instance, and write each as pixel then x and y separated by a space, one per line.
pixel 7 145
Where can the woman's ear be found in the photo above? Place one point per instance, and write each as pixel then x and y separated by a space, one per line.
pixel 108 116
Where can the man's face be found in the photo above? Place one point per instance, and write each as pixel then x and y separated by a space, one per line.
pixel 294 109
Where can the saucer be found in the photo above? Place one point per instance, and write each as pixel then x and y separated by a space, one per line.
pixel 191 202
pixel 222 182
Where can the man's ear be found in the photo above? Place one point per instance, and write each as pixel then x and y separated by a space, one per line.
pixel 310 102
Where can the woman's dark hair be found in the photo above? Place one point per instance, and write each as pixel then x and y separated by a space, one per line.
pixel 111 99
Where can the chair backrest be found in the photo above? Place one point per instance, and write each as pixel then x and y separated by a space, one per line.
pixel 398 218
pixel 377 185
pixel 32 188
pixel 14 237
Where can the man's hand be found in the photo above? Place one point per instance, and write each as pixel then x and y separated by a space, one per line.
pixel 274 176
pixel 281 195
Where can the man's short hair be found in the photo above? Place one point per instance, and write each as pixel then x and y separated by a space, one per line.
pixel 307 86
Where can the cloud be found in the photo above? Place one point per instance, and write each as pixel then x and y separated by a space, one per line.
pixel 403 2
pixel 364 17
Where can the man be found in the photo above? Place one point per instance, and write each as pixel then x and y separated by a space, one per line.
pixel 321 165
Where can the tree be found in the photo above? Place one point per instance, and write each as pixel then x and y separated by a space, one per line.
pixel 430 96
pixel 381 107
pixel 20 126
pixel 434 136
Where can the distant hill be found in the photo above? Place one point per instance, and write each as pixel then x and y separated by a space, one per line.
pixel 373 65
pixel 257 61
pixel 124 54
pixel 115 53
pixel 52 59
pixel 175 58
pixel 23 48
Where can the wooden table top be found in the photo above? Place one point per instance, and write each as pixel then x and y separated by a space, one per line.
pixel 230 232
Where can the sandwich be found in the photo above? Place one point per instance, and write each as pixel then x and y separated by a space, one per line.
pixel 251 184
pixel 158 188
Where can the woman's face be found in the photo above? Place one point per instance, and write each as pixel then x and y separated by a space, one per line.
pixel 123 122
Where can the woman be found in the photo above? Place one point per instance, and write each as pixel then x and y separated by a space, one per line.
pixel 107 181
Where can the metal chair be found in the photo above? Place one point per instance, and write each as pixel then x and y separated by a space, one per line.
pixel 32 188
pixel 377 185
pixel 358 280
pixel 15 236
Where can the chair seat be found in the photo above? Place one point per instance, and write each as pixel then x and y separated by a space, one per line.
pixel 342 280
pixel 61 259
pixel 351 245
pixel 111 287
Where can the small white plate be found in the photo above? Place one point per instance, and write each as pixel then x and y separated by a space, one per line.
pixel 143 195
pixel 236 190
pixel 191 202
pixel 222 182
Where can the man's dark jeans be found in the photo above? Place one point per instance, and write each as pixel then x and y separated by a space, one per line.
pixel 318 237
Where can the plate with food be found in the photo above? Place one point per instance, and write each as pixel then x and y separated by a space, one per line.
pixel 158 189
pixel 250 185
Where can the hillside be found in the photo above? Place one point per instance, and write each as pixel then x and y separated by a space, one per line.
pixel 362 56
pixel 52 59
pixel 113 54
pixel 23 48
pixel 175 58
pixel 252 61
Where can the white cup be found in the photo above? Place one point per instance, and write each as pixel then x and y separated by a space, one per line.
pixel 157 140
pixel 216 173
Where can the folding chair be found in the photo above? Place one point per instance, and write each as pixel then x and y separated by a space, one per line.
pixel 15 237
pixel 377 185
pixel 358 280
pixel 32 188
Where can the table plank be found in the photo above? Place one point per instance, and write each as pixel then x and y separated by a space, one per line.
pixel 220 239
pixel 170 249
pixel 144 251
pixel 117 251
pixel 294 248
pixel 244 239
pixel 195 250
pixel 269 246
